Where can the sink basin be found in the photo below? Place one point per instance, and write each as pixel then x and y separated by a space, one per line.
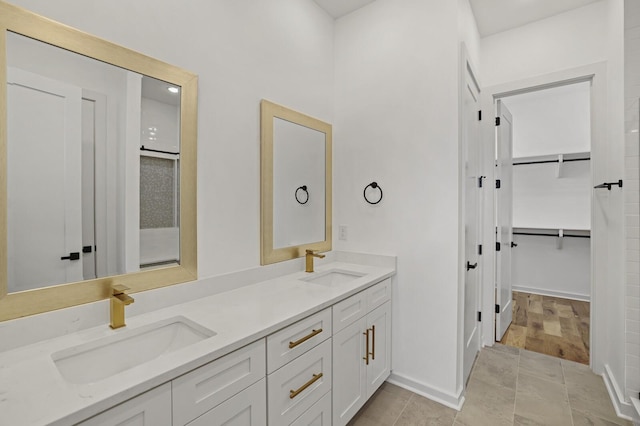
pixel 105 357
pixel 333 277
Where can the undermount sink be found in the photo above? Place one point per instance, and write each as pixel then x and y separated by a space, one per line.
pixel 333 277
pixel 105 357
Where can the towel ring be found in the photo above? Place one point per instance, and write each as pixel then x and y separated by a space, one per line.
pixel 373 185
pixel 304 189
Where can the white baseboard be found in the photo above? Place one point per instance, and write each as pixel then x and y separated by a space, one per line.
pixel 444 398
pixel 554 293
pixel 623 409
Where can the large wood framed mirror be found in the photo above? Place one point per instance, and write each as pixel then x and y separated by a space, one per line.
pixel 296 181
pixel 97 167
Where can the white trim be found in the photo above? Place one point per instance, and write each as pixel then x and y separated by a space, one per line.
pixel 434 394
pixel 623 409
pixel 554 293
pixel 596 73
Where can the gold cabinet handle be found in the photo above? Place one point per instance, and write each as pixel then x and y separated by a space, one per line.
pixel 294 393
pixel 366 357
pixel 373 341
pixel 305 338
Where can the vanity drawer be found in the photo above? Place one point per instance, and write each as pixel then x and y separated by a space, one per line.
pixel 291 342
pixel 378 294
pixel 349 310
pixel 248 408
pixel 202 389
pixel 297 386
pixel 318 415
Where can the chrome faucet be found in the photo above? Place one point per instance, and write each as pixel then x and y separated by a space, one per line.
pixel 119 299
pixel 310 254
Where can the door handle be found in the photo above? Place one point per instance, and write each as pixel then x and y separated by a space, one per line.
pixel 72 256
pixel 470 266
pixel 513 244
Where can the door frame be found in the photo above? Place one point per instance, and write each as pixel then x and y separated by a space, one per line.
pixel 465 64
pixel 597 74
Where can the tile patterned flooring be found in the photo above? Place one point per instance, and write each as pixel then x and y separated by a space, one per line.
pixel 508 386
pixel 550 325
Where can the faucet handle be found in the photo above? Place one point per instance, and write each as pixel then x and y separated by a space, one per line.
pixel 119 289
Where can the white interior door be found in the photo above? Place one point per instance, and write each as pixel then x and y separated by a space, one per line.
pixel 88 190
pixel 504 219
pixel 43 181
pixel 470 140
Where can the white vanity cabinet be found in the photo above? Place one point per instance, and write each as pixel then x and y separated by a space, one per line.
pixel 318 371
pixel 361 349
pixel 152 408
pixel 206 387
pixel 300 371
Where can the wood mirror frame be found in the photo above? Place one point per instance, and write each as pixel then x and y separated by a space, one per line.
pixel 268 253
pixel 30 302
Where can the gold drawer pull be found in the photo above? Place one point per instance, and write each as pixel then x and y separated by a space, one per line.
pixel 294 393
pixel 305 338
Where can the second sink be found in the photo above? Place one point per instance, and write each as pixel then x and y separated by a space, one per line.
pixel 105 357
pixel 333 277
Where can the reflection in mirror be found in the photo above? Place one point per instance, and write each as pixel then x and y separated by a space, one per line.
pixel 298 161
pixel 92 167
pixel 296 184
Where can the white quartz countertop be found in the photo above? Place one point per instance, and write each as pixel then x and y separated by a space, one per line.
pixel 33 392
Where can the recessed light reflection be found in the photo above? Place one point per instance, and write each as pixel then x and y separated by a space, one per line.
pixel 173 89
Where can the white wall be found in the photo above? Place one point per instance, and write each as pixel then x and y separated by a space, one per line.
pixel 552 121
pixel 396 124
pixel 632 216
pixel 243 51
pixel 567 40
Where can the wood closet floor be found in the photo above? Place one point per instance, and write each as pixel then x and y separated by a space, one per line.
pixel 550 325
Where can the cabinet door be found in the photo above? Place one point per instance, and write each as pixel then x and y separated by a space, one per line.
pixel 379 368
pixel 349 372
pixel 152 408
pixel 248 408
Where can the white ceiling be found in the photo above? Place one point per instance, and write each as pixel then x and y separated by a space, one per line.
pixel 492 16
pixel 338 8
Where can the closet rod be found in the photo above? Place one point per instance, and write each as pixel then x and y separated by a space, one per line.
pixel 566 160
pixel 142 148
pixel 551 235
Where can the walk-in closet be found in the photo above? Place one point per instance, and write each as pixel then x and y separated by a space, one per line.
pixel 550 253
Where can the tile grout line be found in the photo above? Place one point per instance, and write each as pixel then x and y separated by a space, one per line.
pixel 403 408
pixel 566 390
pixel 515 395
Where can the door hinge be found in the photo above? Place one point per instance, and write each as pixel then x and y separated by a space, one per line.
pixel 479 249
pixel 497 246
pixel 480 179
pixel 480 115
pixel 479 316
pixel 498 184
pixel 497 309
pixel 497 121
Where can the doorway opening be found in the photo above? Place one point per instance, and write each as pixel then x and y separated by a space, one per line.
pixel 543 200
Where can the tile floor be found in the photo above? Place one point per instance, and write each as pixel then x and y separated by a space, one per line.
pixel 508 386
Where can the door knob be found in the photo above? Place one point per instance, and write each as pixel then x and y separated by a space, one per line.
pixel 470 266
pixel 513 244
